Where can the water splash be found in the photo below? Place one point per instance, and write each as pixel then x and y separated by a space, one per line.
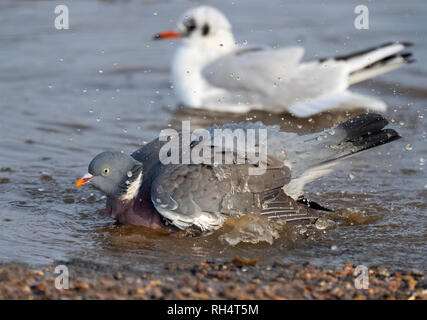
pixel 250 228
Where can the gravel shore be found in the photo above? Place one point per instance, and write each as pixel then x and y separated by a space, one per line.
pixel 237 279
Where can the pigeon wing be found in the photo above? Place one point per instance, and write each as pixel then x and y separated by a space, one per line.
pixel 203 196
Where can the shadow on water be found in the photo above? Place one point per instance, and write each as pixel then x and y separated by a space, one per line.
pixel 202 119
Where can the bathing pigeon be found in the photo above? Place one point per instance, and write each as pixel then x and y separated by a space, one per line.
pixel 210 71
pixel 198 195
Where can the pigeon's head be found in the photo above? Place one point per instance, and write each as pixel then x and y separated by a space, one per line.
pixel 114 173
pixel 201 24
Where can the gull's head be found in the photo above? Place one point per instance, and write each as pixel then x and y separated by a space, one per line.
pixel 204 22
pixel 201 24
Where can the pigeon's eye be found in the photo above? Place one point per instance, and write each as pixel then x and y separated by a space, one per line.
pixel 106 171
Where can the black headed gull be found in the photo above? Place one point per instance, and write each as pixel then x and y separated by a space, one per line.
pixel 210 71
pixel 142 190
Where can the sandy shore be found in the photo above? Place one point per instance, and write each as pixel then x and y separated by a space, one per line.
pixel 237 279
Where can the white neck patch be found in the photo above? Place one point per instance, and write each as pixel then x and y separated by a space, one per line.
pixel 133 189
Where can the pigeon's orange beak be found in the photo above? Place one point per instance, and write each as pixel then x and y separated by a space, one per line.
pixel 83 180
pixel 169 34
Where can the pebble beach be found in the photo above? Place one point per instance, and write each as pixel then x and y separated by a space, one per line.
pixel 238 279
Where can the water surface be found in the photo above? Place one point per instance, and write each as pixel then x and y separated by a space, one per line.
pixel 104 85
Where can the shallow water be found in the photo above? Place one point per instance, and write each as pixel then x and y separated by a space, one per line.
pixel 103 84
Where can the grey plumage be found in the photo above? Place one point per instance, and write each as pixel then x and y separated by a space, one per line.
pixel 202 196
pixel 122 171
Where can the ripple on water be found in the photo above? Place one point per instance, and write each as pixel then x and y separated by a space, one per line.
pixel 57 116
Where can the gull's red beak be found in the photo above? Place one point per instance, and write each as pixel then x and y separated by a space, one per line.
pixel 169 34
pixel 83 180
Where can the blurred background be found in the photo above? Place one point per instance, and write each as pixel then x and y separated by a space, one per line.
pixel 66 95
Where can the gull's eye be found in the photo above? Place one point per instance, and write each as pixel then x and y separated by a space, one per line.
pixel 205 30
pixel 106 171
pixel 190 25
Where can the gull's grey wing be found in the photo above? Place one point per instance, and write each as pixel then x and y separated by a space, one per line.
pixel 253 69
pixel 274 78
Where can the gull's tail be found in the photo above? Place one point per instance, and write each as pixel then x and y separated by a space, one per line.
pixel 361 65
pixel 372 62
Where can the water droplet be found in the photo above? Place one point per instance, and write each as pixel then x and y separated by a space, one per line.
pixel 323 223
pixel 334 248
pixel 129 173
pixel 408 147
pixel 98 119
pixel 422 161
pixel 127 182
pixel 351 176
pixel 100 71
